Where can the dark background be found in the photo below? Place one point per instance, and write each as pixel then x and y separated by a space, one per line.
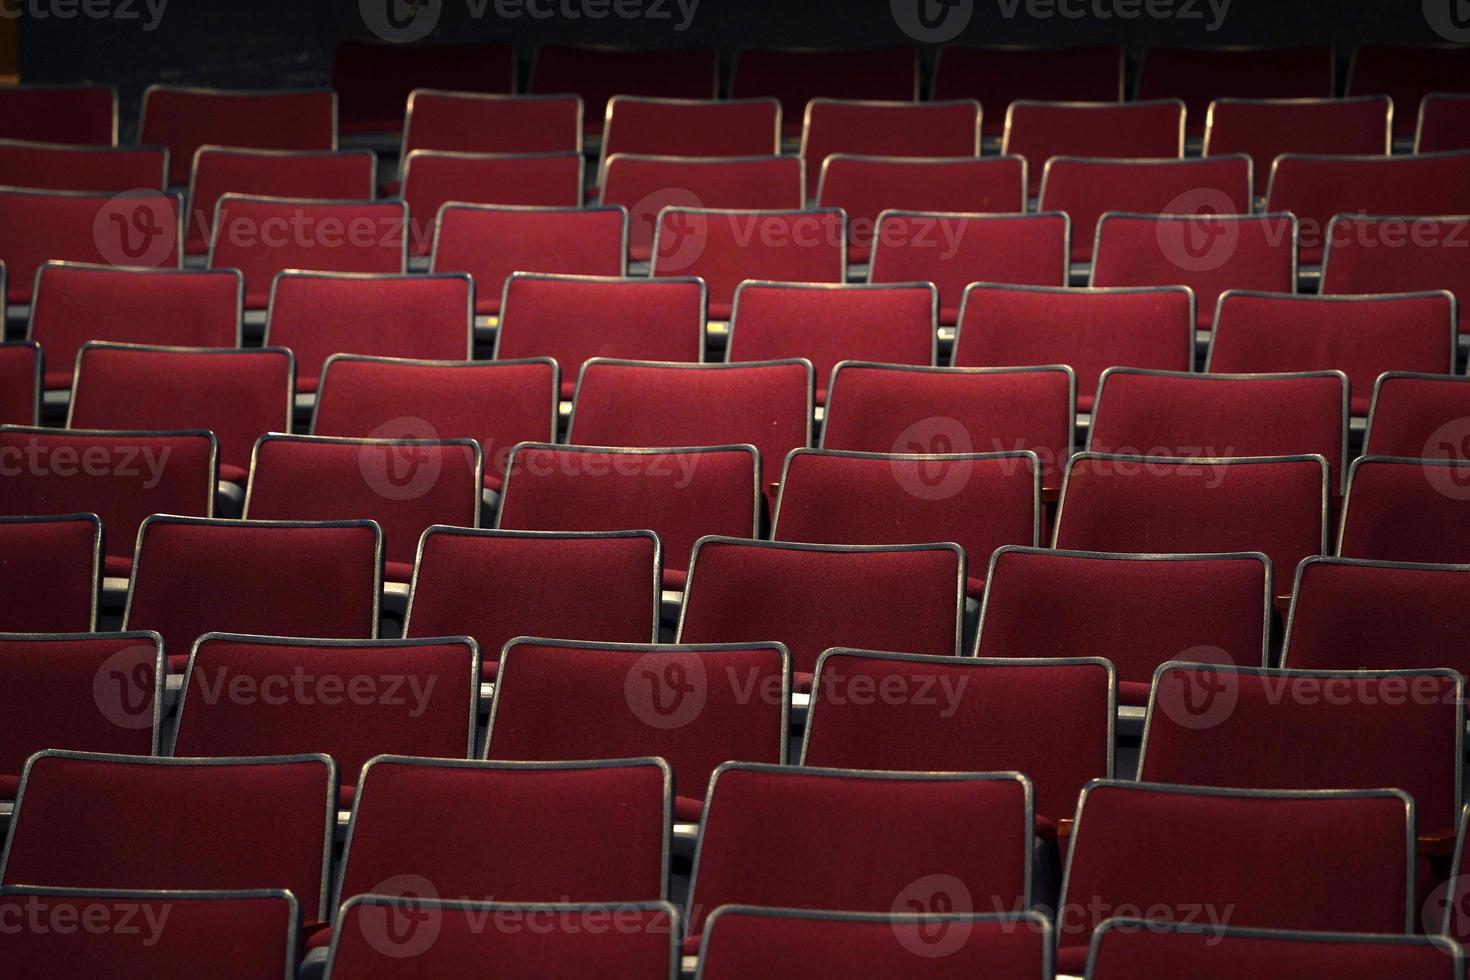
pixel 288 43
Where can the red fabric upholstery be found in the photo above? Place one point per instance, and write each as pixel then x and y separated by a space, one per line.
pixel 75 691
pixel 860 864
pixel 264 236
pixel 1089 329
pixel 954 250
pixel 979 502
pixel 50 568
pixel 1362 336
pixel 194 577
pixel 572 319
pixel 1399 255
pixel 373 80
pixel 744 941
pixel 455 941
pixel 1317 189
pixel 490 243
pixel 1407 73
pixel 645 185
pixel 351 700
pixel 37 227
pixel 815 597
pixel 692 127
pixel 1038 131
pixel 412 316
pixel 825 324
pixel 1125 948
pixel 1208 253
pixel 1406 510
pixel 795 76
pixel 998 76
pixel 433 178
pixel 1158 505
pixel 1443 118
pixel 148 936
pixel 85 114
pixel 122 477
pixel 879 409
pixel 1329 860
pixel 20 384
pixel 1086 189
pixel 406 486
pixel 865 187
pixel 81 168
pixel 184 119
pixel 498 585
pixel 888 129
pixel 1167 414
pixel 78 303
pixel 598 73
pixel 465 120
pixel 725 248
pixel 682 495
pixel 693 707
pixel 239 395
pixel 1415 415
pixel 209 813
pixel 964 715
pixel 318 174
pixel 1135 612
pixel 1263 129
pixel 498 404
pixel 1199 75
pixel 1287 730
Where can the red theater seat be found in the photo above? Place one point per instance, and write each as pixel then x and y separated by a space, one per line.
pixel 1406 510
pixel 691 127
pixel 1264 129
pixel 795 76
pixel 1039 131
pixel 1418 416
pixel 888 129
pixel 373 79
pixel 480 122
pixel 1399 255
pixel 21 380
pixel 50 570
pixel 67 167
pixel 1443 118
pixel 997 76
pixel 433 178
pixel 76 114
pixel 597 73
pixel 1200 75
pixel 1407 73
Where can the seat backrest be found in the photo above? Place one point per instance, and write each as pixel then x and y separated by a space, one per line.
pixel 481 122
pixel 888 129
pixel 75 114
pixel 76 303
pixel 1408 72
pixel 597 73
pixel 1263 129
pixel 433 178
pixel 1361 336
pixel 1201 75
pixel 207 810
pixel 1038 131
pixel 69 167
pixel 1089 329
pixel 999 75
pixel 184 119
pixel 373 79
pixel 1406 510
pixel 1375 254
pixel 1418 416
pixel 50 570
pixel 691 127
pixel 1442 120
pixel 795 76
pixel 22 367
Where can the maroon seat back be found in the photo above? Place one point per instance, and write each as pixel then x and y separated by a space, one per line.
pixel 997 76
pixel 51 567
pixel 597 73
pixel 691 127
pixel 1264 129
pixel 465 121
pixel 184 119
pixel 373 79
pixel 1367 254
pixel 1407 73
pixel 795 76
pixel 22 371
pixel 1199 76
pixel 68 167
pixel 1443 117
pixel 1406 510
pixel 433 178
pixel 76 114
pixel 888 129
pixel 1038 131
pixel 1417 416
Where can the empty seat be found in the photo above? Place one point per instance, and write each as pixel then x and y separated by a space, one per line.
pixel 691 127
pixel 1409 72
pixel 1208 253
pixel 826 324
pixel 865 187
pixel 1418 416
pixel 888 129
pixel 597 73
pixel 905 598
pixel 310 174
pixel 1137 846
pixel 77 303
pixel 878 408
pixel 1086 189
pixel 1369 254
pixel 795 76
pixel 997 76
pixel 481 122
pixel 1443 117
pixel 1263 129
pixel 490 243
pixel 1038 131
pixel 601 586
pixel 696 707
pixel 968 715
pixel 680 494
pixel 239 395
pixel 1135 611
pixel 121 476
pixel 1159 413
pixel 433 178
pixel 374 78
pixel 318 314
pixel 77 114
pixel 21 368
pixel 66 167
pixel 1406 510
pixel 725 248
pixel 208 812
pixel 1200 75
pixel 861 865
pixel 980 501
pixel 88 692
pixel 1088 329
pixel 1276 505
pixel 264 695
pixel 1456 922
pixel 196 576
pixel 1318 188
pixel 496 403
pixel 50 570
pixel 184 119
pixel 264 236
pixel 954 250
pixel 573 319
pixel 1361 336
